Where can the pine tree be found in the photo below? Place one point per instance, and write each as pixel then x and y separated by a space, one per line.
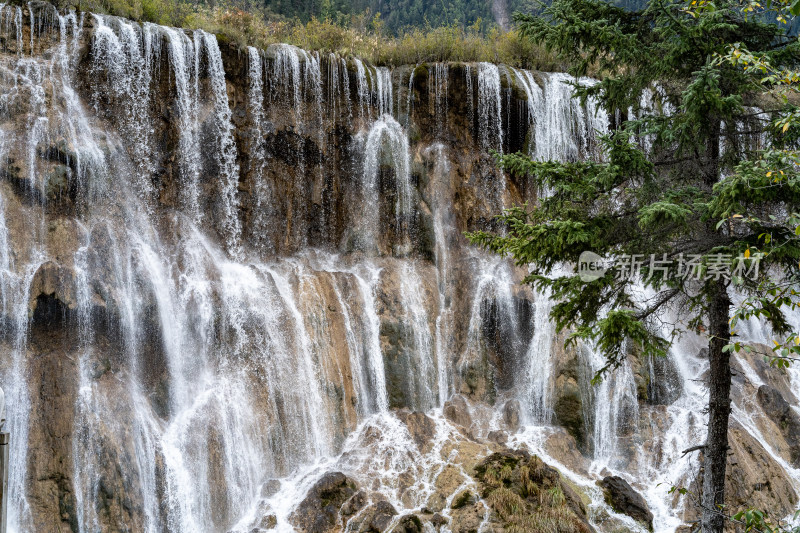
pixel 683 185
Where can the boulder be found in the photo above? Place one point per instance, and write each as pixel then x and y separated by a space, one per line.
pixel 356 502
pixel 624 499
pixel 375 518
pixel 438 520
pixel 408 524
pixel 270 488
pixel 526 494
pixel 498 437
pixel 511 412
pixel 467 519
pixel 421 427
pixel 464 499
pixel 456 411
pixel 319 511
pixel 268 522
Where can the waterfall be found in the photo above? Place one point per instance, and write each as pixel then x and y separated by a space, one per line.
pixel 346 87
pixel 384 81
pixel 420 339
pixel 287 75
pixel 470 96
pixel 490 126
pixel 536 110
pixel 615 405
pixel 228 168
pixel 362 89
pixel 437 95
pixel 560 114
pixel 125 59
pixel 255 105
pixel 538 379
pixel 386 139
pixel 184 70
pixel 443 231
pixel 410 96
pixel 217 277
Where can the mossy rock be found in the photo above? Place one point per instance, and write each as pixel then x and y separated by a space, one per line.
pixel 57 183
pixel 463 499
pixel 568 410
pixel 527 495
pixel 420 71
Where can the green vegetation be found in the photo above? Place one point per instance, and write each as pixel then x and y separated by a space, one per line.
pixel 359 35
pixel 705 191
pixel 462 500
pixel 527 495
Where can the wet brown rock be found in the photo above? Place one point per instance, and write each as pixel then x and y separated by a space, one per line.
pixel 464 499
pixel 268 522
pixel 511 414
pixel 752 480
pixel 408 524
pixel 777 378
pixel 456 410
pixel 438 520
pixel 622 498
pixel 375 518
pixel 356 502
pixel 446 484
pixel 52 280
pixel 499 437
pixel 467 519
pixel 319 511
pixel 421 427
pixel 568 403
pixel 781 413
pixel 560 445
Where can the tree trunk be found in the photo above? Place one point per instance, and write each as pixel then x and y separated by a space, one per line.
pixel 715 456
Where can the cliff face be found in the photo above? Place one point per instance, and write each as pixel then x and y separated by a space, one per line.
pixel 215 264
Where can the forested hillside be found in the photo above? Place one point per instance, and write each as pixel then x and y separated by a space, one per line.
pixel 399 15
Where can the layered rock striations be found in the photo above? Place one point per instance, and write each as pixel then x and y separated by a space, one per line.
pixel 219 267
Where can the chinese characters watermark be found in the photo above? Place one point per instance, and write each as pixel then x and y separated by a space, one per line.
pixel 696 267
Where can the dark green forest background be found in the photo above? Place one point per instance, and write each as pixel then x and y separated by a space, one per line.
pixel 398 16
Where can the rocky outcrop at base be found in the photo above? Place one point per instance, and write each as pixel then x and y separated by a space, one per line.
pixel 319 511
pixel 624 499
pixel 525 494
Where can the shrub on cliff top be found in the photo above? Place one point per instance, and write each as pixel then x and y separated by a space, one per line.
pixel 362 36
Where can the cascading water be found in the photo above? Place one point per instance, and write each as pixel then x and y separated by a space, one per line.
pixel 437 89
pixel 228 168
pixel 383 77
pixel 362 89
pixel 286 73
pixel 490 125
pixel 386 139
pixel 156 210
pixel 538 384
pixel 183 65
pixel 258 168
pixel 470 94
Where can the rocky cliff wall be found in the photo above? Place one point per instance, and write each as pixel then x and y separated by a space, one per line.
pixel 220 266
